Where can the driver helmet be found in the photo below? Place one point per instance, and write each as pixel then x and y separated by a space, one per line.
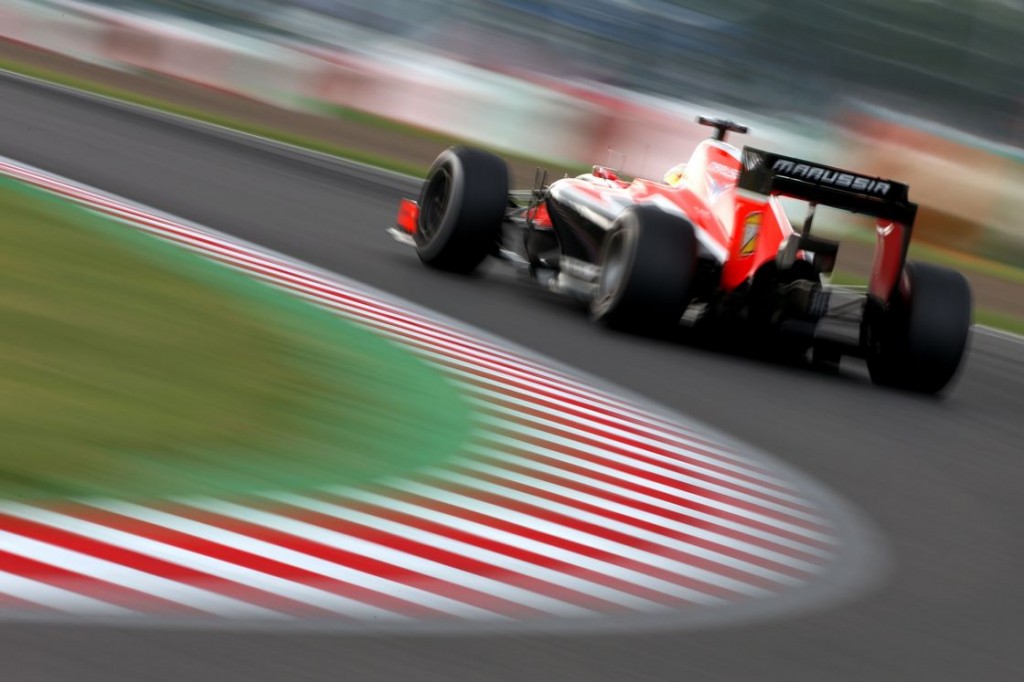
pixel 674 176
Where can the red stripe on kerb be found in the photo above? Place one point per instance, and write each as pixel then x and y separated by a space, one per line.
pixel 547 406
pixel 93 588
pixel 511 551
pixel 574 524
pixel 652 477
pixel 562 542
pixel 616 482
pixel 675 535
pixel 153 566
pixel 675 518
pixel 518 387
pixel 425 550
pixel 670 461
pixel 366 564
pixel 253 561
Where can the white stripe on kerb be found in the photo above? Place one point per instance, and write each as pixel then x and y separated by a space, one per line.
pixel 673 466
pixel 554 441
pixel 563 555
pixel 667 527
pixel 329 569
pixel 236 573
pixel 324 599
pixel 655 539
pixel 500 561
pixel 621 427
pixel 57 598
pixel 411 562
pixel 635 576
pixel 649 500
pixel 308 562
pixel 655 561
pixel 125 576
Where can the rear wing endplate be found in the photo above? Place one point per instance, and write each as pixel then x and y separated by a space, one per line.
pixel 767 173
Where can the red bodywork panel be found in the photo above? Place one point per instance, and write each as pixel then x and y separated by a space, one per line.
pixel 762 227
pixel 538 215
pixel 408 215
pixel 738 232
pixel 890 250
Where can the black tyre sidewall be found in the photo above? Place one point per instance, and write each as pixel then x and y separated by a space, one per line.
pixel 919 342
pixel 659 253
pixel 471 223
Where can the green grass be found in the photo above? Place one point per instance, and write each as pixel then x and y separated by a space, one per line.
pixel 981 316
pixel 847 279
pixel 966 262
pixel 999 321
pixel 132 368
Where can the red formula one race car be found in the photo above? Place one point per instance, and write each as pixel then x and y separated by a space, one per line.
pixel 710 245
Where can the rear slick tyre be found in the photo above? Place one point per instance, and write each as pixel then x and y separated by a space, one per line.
pixel 647 266
pixel 462 205
pixel 918 343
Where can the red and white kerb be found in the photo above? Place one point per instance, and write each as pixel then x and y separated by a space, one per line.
pixel 567 502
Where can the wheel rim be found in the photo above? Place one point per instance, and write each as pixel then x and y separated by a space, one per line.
pixel 612 270
pixel 437 196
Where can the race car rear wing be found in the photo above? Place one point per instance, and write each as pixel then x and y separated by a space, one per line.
pixel 767 173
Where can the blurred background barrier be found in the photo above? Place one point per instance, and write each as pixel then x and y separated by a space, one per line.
pixel 971 190
pixel 925 92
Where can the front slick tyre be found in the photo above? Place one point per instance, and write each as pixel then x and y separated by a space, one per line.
pixel 918 343
pixel 647 266
pixel 462 205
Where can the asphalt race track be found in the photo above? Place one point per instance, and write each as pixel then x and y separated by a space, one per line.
pixel 940 480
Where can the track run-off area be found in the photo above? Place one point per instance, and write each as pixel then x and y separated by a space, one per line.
pixel 566 505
